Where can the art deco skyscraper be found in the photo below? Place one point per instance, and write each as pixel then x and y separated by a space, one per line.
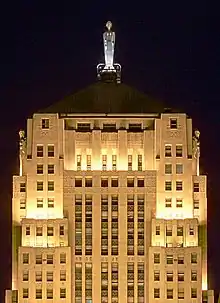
pixel 109 204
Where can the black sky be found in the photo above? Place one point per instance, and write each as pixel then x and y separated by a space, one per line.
pixel 168 49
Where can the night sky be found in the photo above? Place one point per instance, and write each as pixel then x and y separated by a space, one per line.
pixel 168 49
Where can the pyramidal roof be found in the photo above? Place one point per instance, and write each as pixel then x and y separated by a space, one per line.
pixel 108 95
pixel 106 98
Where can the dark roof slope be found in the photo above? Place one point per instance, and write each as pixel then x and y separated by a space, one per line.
pixel 106 98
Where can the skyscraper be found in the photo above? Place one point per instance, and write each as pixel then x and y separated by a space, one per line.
pixel 109 204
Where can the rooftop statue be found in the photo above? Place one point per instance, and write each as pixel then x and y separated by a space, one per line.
pixel 109 46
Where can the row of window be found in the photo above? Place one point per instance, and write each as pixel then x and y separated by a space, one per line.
pixel 170 276
pixel 39 293
pixel 170 293
pixel 40 186
pixel 170 258
pixel 169 231
pixel 168 169
pixel 50 151
pixel 108 127
pixel 50 231
pixel 40 203
pixel 50 169
pixel 39 276
pixel 50 258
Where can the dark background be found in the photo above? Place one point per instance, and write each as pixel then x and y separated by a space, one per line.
pixel 168 49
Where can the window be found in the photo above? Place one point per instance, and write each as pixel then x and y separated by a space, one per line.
pixel 40 186
pixel 49 231
pixel 40 151
pixel 62 293
pixel 179 185
pixel 22 204
pixel 179 169
pixel 45 123
pixel 173 123
pixel 49 259
pixel 38 276
pixel 179 203
pixel 114 182
pixel 27 231
pixel 139 162
pixel 168 202
pixel 169 293
pixel 196 187
pixel 156 293
pixel 88 182
pixel 38 294
pixel 38 259
pixel 78 162
pixel 50 203
pixel 50 185
pixel 191 231
pixel 114 162
pixel 140 182
pixel 39 231
pixel 193 275
pixel 25 293
pixel 40 202
pixel 169 259
pixel 179 151
pixel 181 293
pixel 196 204
pixel 50 151
pixel 25 275
pixel 109 127
pixel 25 258
pixel 169 276
pixel 168 151
pixel 193 293
pixel 130 182
pixel 180 231
pixel 156 258
pixel 50 169
pixel 62 275
pixel 157 230
pixel 49 293
pixel 180 259
pixel 89 162
pixel 49 276
pixel 61 230
pixel 78 182
pixel 40 169
pixel 156 275
pixel 62 258
pixel 129 162
pixel 180 276
pixel 22 187
pixel 168 185
pixel 83 127
pixel 168 169
pixel 169 231
pixel 134 127
pixel 104 162
pixel 194 258
pixel 104 182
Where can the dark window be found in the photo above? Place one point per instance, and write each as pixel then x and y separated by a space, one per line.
pixel 88 182
pixel 61 230
pixel 45 123
pixel 40 151
pixel 196 187
pixel 114 182
pixel 130 182
pixel 140 182
pixel 104 182
pixel 109 127
pixel 50 169
pixel 134 127
pixel 83 127
pixel 173 123
pixel 78 182
pixel 22 187
pixel 50 151
pixel 40 169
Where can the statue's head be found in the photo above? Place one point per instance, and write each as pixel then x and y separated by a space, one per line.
pixel 21 134
pixel 197 133
pixel 109 25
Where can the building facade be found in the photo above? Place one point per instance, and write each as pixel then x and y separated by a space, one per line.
pixel 109 204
